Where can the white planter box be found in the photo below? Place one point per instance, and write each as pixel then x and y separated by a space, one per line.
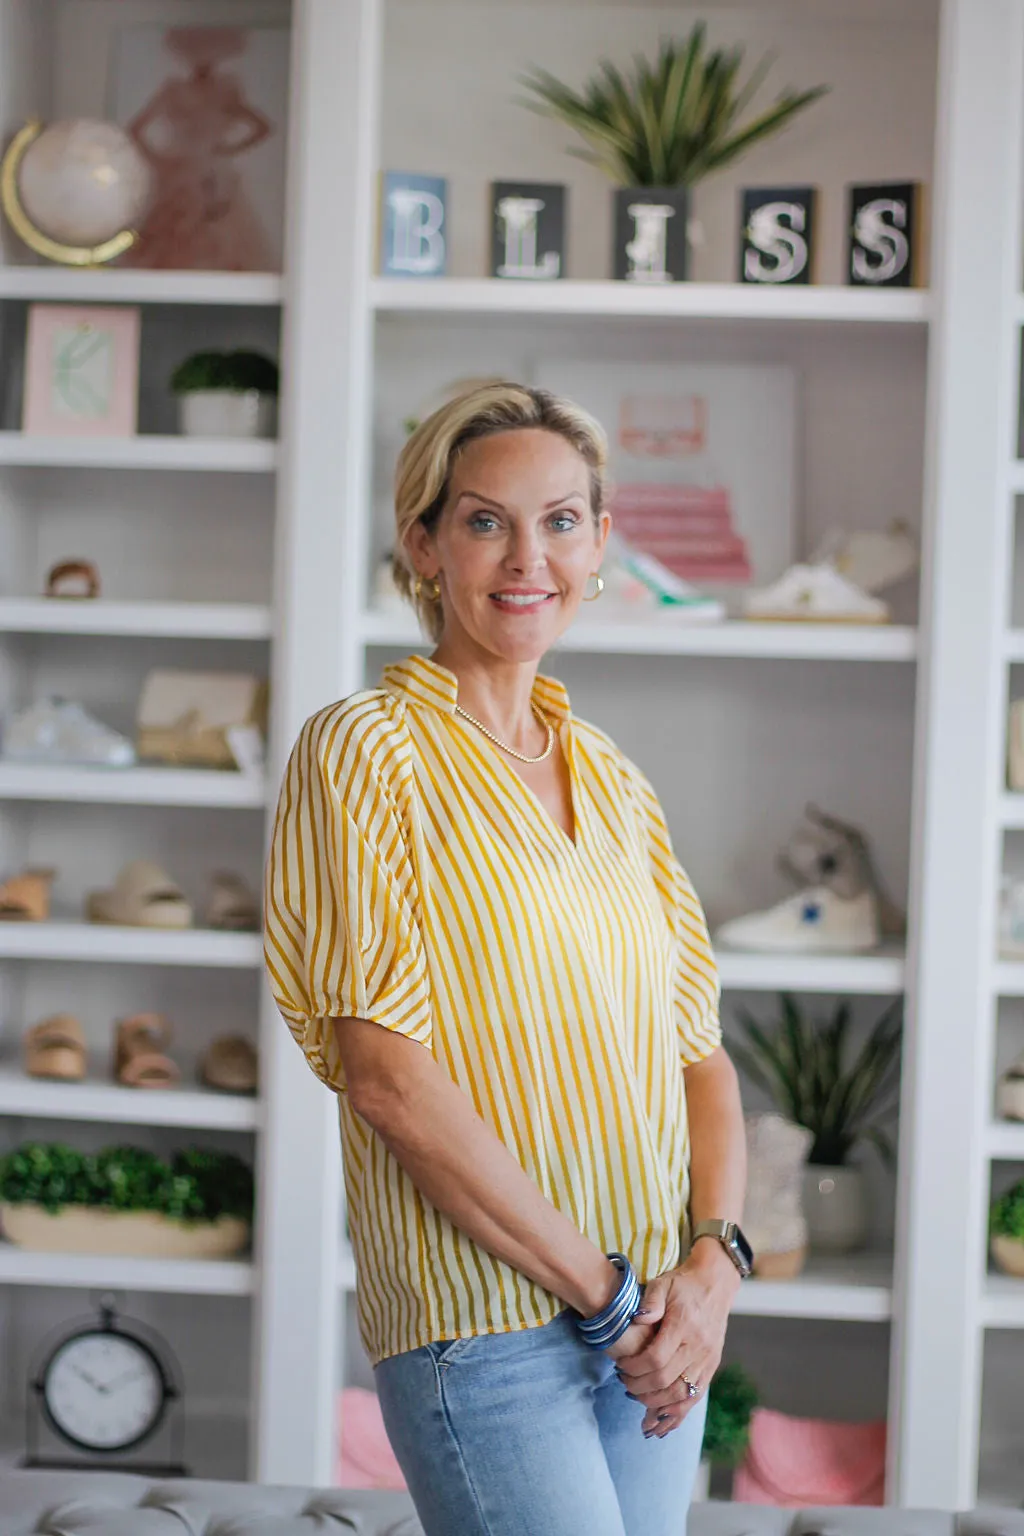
pixel 227 413
pixel 140 1234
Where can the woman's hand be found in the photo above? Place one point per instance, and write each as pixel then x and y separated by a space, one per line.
pixel 687 1313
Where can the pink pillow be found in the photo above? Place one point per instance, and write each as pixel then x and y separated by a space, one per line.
pixel 799 1462
pixel 365 1458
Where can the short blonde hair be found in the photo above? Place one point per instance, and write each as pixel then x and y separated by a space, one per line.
pixel 425 464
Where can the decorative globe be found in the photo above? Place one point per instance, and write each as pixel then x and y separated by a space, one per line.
pixel 83 181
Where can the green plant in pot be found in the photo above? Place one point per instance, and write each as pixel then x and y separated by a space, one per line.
pixel 123 1199
pixel 666 124
pixel 843 1098
pixel 1006 1230
pixel 226 394
pixel 732 1398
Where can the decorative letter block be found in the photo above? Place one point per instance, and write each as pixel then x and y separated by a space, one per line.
pixel 413 238
pixel 778 235
pixel 883 236
pixel 527 230
pixel 650 234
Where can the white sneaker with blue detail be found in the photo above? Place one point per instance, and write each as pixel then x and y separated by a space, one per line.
pixel 813 921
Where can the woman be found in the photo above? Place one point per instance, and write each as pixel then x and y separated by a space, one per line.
pixel 478 933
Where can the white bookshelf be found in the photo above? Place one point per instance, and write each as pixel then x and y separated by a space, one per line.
pixel 125 285
pixel 213 454
pixel 876 975
pixel 100 943
pixel 848 1288
pixel 1003 1302
pixel 668 637
pixel 679 301
pixel 138 620
pixel 1005 1139
pixel 77 1271
pixel 196 1108
pixel 134 786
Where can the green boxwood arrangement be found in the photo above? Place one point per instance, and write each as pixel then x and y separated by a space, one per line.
pixel 193 1185
pixel 238 372
pixel 1007 1215
pixel 732 1398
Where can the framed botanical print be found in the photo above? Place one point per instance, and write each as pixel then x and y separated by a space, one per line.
pixel 81 371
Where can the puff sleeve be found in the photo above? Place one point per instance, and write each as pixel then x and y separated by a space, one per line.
pixel 696 974
pixel 342 935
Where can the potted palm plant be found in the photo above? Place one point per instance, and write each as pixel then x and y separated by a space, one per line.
pixel 842 1099
pixel 661 127
pixel 1006 1231
pixel 226 394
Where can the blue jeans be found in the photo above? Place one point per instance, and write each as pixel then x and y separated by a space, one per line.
pixel 532 1434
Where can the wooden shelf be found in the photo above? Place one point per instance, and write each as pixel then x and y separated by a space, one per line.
pixel 197 1277
pixel 134 786
pixel 125 285
pixel 876 975
pixel 198 1108
pixel 165 451
pixel 103 944
pixel 797 642
pixel 669 301
pixel 184 621
pixel 854 1287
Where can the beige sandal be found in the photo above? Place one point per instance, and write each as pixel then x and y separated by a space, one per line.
pixel 231 905
pixel 140 1059
pixel 55 1048
pixel 230 1064
pixel 144 896
pixel 25 898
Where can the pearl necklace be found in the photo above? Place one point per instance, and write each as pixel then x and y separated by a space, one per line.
pixel 519 756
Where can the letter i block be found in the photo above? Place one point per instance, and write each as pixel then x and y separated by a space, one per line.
pixel 413 239
pixel 777 240
pixel 883 235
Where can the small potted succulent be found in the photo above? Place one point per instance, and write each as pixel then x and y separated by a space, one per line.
pixel 227 394
pixel 1006 1231
pixel 657 130
pixel 125 1200
pixel 732 1398
pixel 802 1064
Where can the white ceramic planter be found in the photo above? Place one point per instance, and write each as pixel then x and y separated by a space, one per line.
pixel 836 1209
pixel 140 1234
pixel 227 413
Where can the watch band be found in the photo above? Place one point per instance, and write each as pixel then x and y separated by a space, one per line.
pixel 731 1238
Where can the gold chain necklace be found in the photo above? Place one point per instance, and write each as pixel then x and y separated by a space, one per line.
pixel 519 756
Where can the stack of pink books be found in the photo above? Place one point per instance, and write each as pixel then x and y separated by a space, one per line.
pixel 689 528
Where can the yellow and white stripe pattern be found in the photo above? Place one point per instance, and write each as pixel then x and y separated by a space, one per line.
pixel 563 983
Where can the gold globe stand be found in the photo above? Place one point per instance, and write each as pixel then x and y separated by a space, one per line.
pixel 53 250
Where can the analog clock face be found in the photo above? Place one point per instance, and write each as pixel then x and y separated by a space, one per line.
pixel 103 1390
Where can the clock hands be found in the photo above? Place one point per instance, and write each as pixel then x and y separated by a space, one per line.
pixel 136 1373
pixel 91 1381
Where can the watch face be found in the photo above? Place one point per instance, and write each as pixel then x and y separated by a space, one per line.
pixel 103 1390
pixel 742 1248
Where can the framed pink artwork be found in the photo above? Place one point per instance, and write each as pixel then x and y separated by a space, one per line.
pixel 81 371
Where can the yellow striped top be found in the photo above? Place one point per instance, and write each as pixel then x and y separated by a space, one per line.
pixel 563 983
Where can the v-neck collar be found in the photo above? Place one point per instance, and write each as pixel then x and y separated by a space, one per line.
pixel 418 680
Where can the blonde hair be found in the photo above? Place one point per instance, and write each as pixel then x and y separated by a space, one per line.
pixel 424 470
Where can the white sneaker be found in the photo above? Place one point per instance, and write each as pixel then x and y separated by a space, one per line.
pixel 816 593
pixel 57 731
pixel 1011 918
pixel 812 922
pixel 872 559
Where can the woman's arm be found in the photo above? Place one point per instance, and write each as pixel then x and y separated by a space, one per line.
pixel 457 1163
pixel 689 1306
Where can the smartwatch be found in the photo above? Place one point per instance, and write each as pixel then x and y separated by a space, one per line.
pixel 732 1240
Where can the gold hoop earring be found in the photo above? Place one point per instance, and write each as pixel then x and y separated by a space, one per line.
pixel 598 588
pixel 434 596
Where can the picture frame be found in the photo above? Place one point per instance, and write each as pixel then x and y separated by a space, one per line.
pixel 703 461
pixel 81 370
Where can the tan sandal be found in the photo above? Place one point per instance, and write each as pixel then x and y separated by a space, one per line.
pixel 144 896
pixel 231 905
pixel 140 1059
pixel 55 1047
pixel 231 1065
pixel 25 898
pixel 74 579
